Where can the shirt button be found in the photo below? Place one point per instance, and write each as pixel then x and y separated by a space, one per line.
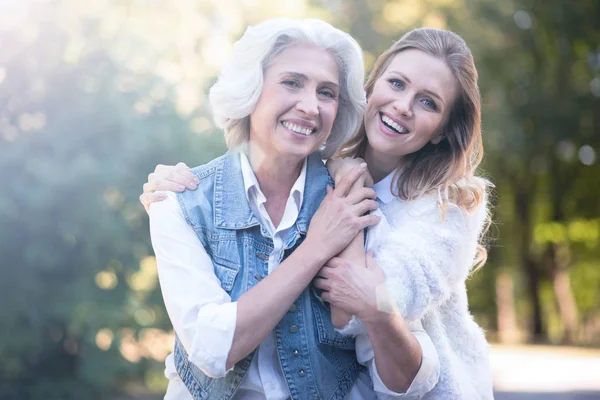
pixel 301 372
pixel 293 308
pixel 293 329
pixel 296 353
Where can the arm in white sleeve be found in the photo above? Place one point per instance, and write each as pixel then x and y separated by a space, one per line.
pixel 427 376
pixel 202 313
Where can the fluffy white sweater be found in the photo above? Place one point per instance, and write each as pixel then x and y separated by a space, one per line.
pixel 426 261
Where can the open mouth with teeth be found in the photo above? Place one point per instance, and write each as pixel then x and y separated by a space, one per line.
pixel 299 129
pixel 389 123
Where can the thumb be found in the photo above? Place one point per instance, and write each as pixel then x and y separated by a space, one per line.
pixel 371 264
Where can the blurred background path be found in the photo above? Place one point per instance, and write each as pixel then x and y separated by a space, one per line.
pixel 526 372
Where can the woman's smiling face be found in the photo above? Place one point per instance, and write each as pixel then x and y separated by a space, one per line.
pixel 299 102
pixel 408 106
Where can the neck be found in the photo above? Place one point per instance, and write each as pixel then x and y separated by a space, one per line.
pixel 276 174
pixel 380 165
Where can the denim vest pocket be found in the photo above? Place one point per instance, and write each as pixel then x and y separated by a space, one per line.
pixel 226 271
pixel 325 330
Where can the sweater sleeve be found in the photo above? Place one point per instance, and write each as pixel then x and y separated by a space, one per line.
pixel 426 255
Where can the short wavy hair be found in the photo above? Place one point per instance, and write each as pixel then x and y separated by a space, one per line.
pixel 239 85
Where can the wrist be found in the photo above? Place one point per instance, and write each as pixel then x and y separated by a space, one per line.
pixel 383 312
pixel 377 319
pixel 311 254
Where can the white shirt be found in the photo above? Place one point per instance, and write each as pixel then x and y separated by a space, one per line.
pixel 204 316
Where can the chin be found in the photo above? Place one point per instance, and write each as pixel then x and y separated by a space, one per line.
pixel 295 152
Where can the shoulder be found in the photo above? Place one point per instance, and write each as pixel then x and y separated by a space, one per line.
pixel 215 177
pixel 209 169
pixel 166 214
pixel 167 206
pixel 427 210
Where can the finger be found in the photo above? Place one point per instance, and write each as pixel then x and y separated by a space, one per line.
pixel 148 198
pixel 177 177
pixel 155 185
pixel 184 170
pixel 369 180
pixel 323 284
pixel 160 168
pixel 144 202
pixel 326 296
pixel 335 262
pixel 169 186
pixel 364 206
pixel 179 173
pixel 356 196
pixel 367 220
pixel 342 189
pixel 325 273
pixel 371 264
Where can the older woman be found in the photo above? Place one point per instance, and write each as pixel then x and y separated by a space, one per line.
pixel 236 255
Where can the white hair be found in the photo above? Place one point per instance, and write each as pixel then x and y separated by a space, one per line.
pixel 239 85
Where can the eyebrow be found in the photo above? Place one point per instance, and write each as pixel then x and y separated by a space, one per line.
pixel 303 77
pixel 433 94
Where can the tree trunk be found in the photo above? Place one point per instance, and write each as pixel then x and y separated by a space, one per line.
pixel 530 266
pixel 567 307
pixel 508 331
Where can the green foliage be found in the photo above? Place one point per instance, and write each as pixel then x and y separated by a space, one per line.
pixel 75 149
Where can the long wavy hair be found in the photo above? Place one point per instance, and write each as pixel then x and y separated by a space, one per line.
pixel 448 167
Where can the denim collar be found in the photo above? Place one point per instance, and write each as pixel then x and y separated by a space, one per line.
pixel 232 210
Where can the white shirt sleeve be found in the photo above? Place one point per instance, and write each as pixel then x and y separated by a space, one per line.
pixel 202 313
pixel 426 378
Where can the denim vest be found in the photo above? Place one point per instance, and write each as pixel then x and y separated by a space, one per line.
pixel 317 362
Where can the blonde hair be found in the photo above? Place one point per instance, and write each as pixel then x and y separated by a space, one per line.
pixel 448 167
pixel 240 83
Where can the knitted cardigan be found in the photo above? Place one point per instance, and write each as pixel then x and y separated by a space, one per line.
pixel 426 261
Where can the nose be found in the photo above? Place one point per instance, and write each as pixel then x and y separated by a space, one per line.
pixel 403 105
pixel 308 104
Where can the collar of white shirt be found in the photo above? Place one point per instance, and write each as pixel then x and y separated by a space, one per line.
pixel 383 188
pixel 251 183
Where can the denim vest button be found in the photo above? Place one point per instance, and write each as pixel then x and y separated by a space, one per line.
pixel 296 353
pixel 293 308
pixel 293 328
pixel 257 277
pixel 301 372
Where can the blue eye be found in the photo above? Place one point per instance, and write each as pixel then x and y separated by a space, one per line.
pixel 429 104
pixel 398 84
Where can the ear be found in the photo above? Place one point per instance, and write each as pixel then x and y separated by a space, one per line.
pixel 437 138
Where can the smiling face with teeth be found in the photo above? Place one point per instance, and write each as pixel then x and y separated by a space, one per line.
pixel 298 104
pixel 408 106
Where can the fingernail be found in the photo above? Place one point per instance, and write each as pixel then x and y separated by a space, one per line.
pixel 363 165
pixel 181 188
pixel 193 184
pixel 196 180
